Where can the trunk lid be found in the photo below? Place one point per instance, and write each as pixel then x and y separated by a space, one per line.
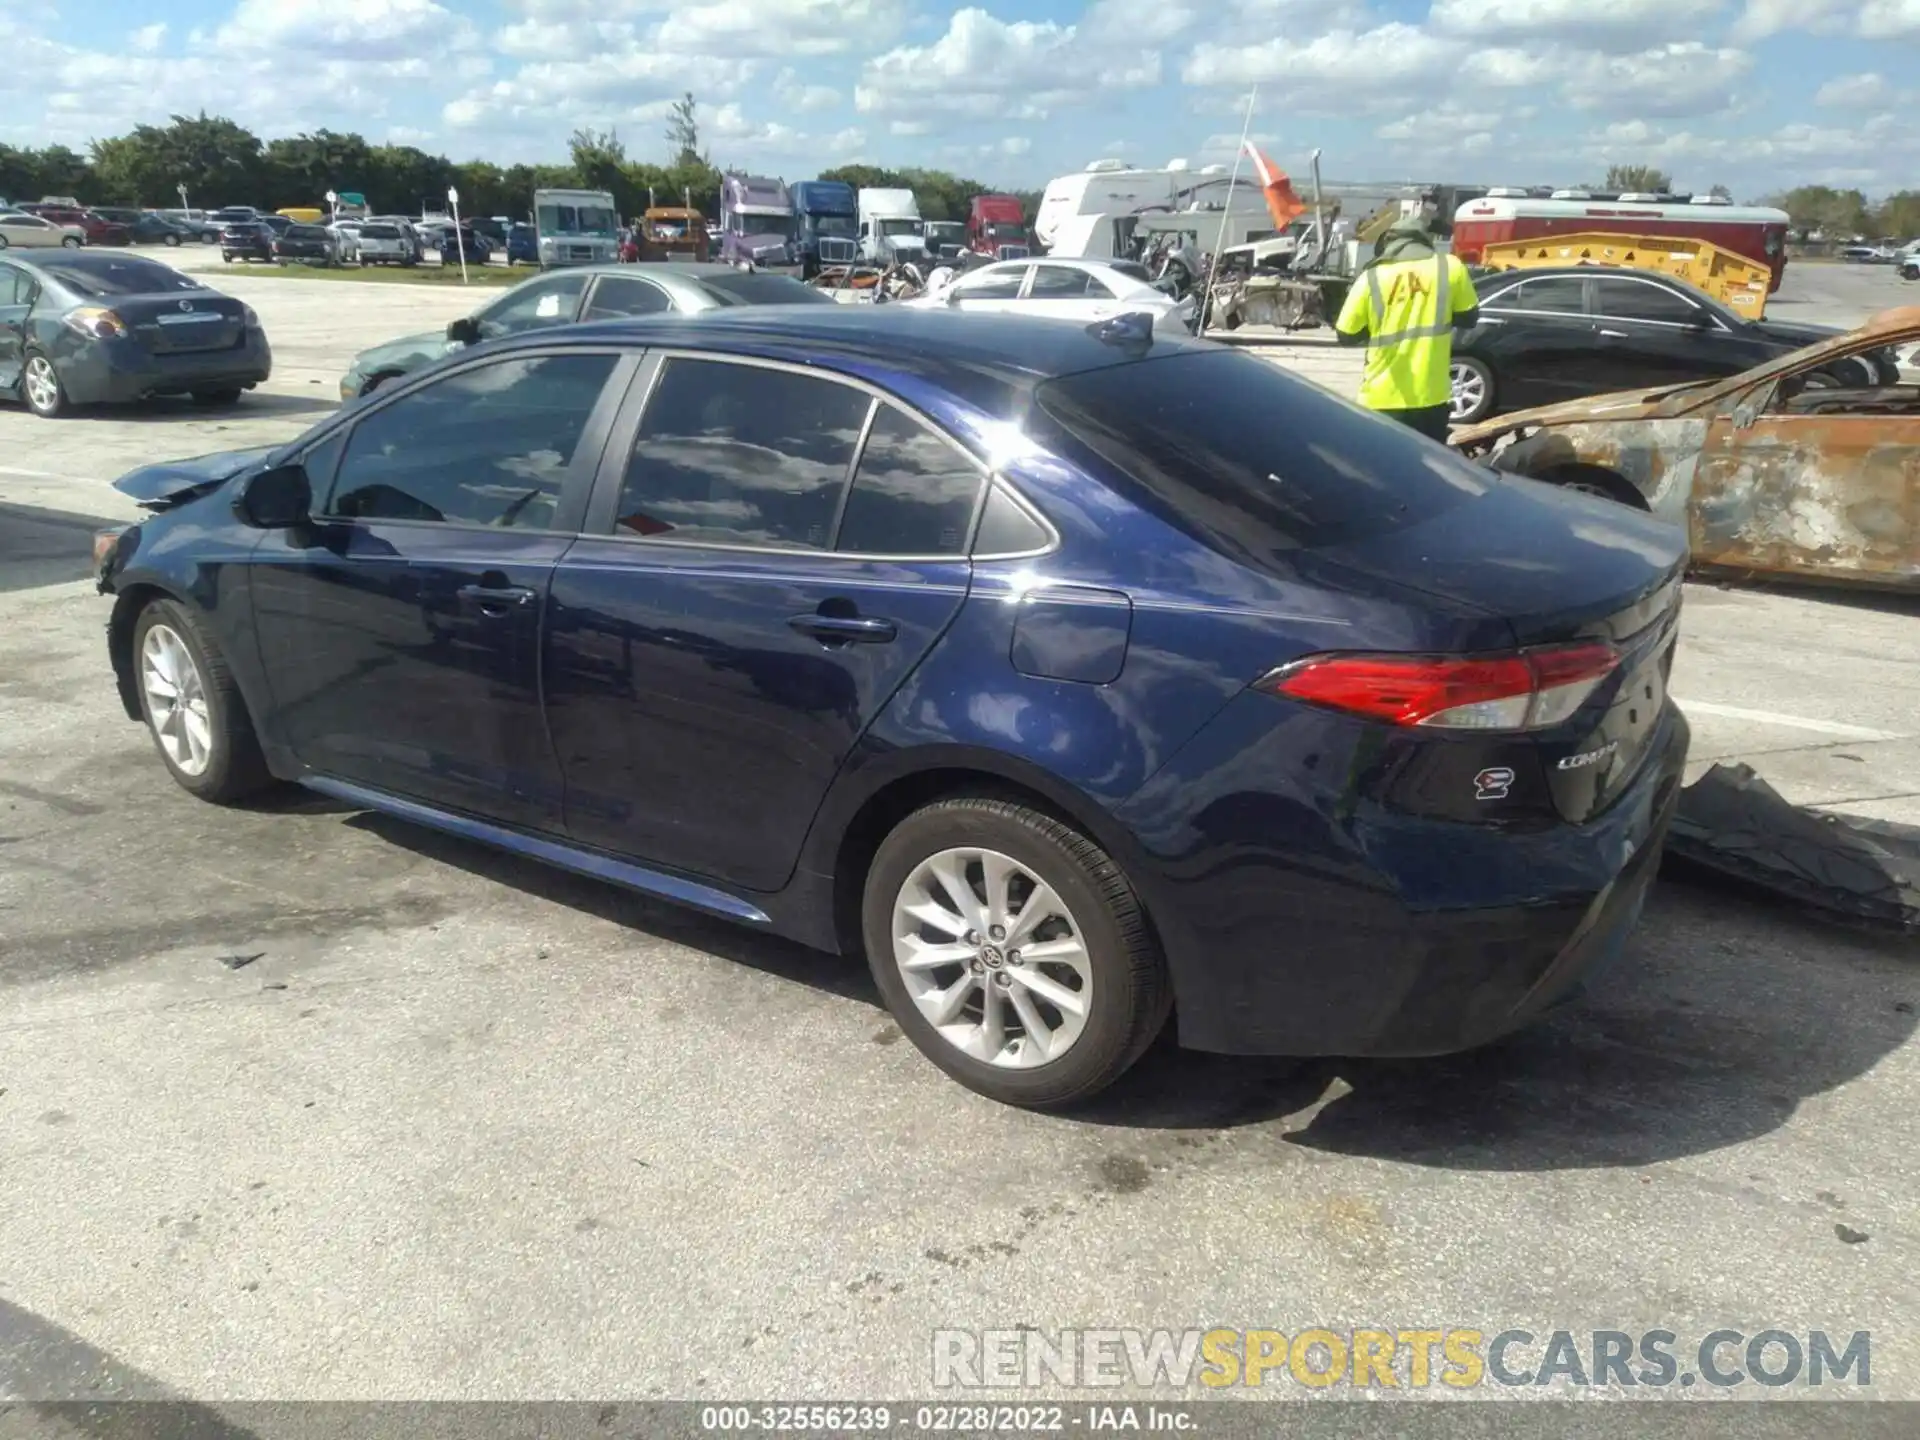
pixel 183 324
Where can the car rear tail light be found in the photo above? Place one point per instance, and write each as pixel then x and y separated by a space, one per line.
pixel 96 322
pixel 1528 690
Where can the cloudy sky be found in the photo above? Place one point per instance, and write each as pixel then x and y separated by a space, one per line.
pixel 1755 94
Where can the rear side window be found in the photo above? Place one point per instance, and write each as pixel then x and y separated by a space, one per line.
pixel 732 454
pixel 750 288
pixel 616 295
pixel 1558 295
pixel 994 284
pixel 913 493
pixel 1252 460
pixel 1059 282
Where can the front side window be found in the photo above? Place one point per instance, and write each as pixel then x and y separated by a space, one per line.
pixel 617 295
pixel 544 302
pixel 993 284
pixel 1637 300
pixel 1058 282
pixel 913 492
pixel 741 455
pixel 487 446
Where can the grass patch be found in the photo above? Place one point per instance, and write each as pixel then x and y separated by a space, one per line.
pixel 479 275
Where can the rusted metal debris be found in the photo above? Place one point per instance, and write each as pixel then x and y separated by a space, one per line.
pixel 1733 823
pixel 1792 470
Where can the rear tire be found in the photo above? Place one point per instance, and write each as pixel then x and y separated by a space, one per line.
pixel 40 387
pixel 1046 1028
pixel 193 709
pixel 1473 392
pixel 171 241
pixel 72 242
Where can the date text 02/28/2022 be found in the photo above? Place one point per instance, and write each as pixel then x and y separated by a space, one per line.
pixel 964 1419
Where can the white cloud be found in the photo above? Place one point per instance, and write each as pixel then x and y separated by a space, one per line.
pixel 395 30
pixel 1684 78
pixel 779 27
pixel 796 94
pixel 1762 18
pixel 1357 64
pixel 148 38
pixel 1015 145
pixel 908 128
pixel 1854 92
pixel 1890 19
pixel 1609 24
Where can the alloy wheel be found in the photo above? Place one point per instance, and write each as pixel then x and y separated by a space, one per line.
pixel 43 386
pixel 176 700
pixel 1469 390
pixel 992 957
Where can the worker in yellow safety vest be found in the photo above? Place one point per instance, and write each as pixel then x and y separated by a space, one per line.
pixel 1404 307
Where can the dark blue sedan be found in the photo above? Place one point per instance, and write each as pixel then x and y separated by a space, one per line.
pixel 1080 678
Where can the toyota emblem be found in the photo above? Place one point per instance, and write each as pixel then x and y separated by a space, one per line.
pixel 186 305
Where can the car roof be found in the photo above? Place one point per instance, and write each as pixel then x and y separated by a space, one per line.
pixel 1579 272
pixel 990 358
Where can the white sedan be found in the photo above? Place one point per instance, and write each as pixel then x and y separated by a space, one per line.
pixel 1083 290
pixel 18 228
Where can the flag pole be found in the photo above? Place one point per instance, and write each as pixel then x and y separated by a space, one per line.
pixel 1220 240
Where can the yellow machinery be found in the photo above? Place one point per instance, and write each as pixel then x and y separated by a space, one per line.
pixel 1732 279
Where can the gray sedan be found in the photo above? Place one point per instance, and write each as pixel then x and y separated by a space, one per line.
pixel 585 292
pixel 90 327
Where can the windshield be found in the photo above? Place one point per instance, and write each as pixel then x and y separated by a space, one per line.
pixel 1251 460
pixel 747 288
pixel 1005 230
pixel 127 275
pixel 891 228
pixel 831 225
pixel 596 220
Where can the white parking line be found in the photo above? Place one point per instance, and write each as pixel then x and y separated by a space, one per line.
pixel 32 474
pixel 1788 722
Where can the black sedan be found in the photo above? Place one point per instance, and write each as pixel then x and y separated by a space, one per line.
pixel 455 241
pixel 86 327
pixel 305 242
pixel 1550 335
pixel 246 240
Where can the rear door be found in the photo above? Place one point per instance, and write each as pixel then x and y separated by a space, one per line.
pixel 617 295
pixel 740 611
pixel 17 290
pixel 1068 293
pixel 996 288
pixel 1538 339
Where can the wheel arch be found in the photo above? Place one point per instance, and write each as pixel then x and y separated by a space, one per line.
pixel 128 603
pixel 1579 475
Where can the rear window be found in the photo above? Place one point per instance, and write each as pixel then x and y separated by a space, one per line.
pixel 745 287
pixel 1248 458
pixel 118 275
pixel 380 232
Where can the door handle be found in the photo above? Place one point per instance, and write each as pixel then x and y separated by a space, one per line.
pixel 495 599
pixel 858 629
pixel 1615 335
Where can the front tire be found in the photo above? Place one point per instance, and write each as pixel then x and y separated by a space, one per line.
pixel 193 709
pixel 40 387
pixel 1013 951
pixel 1473 391
pixel 172 242
pixel 71 242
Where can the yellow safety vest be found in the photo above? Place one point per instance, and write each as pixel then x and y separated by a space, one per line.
pixel 1406 309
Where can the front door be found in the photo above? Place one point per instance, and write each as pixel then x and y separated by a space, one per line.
pixel 401 631
pixel 1651 336
pixel 16 299
pixel 745 612
pixel 1537 338
pixel 1821 482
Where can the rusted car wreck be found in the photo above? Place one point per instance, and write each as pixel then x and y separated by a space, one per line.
pixel 1806 468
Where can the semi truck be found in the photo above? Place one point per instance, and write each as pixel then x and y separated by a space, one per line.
pixel 575 227
pixel 890 227
pixel 826 224
pixel 997 228
pixel 756 222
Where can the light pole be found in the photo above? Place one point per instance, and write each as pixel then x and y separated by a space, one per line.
pixel 459 238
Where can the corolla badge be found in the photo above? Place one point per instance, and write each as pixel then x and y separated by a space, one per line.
pixel 1493 783
pixel 1589 757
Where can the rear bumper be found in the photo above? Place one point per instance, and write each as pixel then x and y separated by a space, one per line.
pixel 1423 938
pixel 117 374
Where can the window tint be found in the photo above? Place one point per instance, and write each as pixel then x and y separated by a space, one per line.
pixel 912 494
pixel 1637 300
pixel 1558 295
pixel 541 302
pixel 15 288
pixel 487 446
pixel 621 295
pixel 1006 528
pixel 993 284
pixel 741 454
pixel 119 275
pixel 1251 460
pixel 1058 282
pixel 753 288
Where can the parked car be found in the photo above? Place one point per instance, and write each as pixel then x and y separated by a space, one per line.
pixel 381 242
pixel 98 231
pixel 454 240
pixel 1072 681
pixel 523 245
pixel 147 227
pixel 233 215
pixel 278 224
pixel 1802 468
pixel 246 240
pixel 305 242
pixel 99 327
pixel 1910 267
pixel 1083 290
pixel 1558 333
pixel 1868 254
pixel 580 292
pixel 18 228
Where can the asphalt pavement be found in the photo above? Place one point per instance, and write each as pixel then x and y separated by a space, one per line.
pixel 297 1102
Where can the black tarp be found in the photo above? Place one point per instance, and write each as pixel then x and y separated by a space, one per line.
pixel 1733 823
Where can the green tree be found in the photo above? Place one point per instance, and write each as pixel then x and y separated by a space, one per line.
pixel 300 170
pixel 683 134
pixel 1838 214
pixel 1721 192
pixel 600 162
pixel 1643 178
pixel 1899 215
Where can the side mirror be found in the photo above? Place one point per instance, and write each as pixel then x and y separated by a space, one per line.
pixel 1699 320
pixel 276 499
pixel 464 331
